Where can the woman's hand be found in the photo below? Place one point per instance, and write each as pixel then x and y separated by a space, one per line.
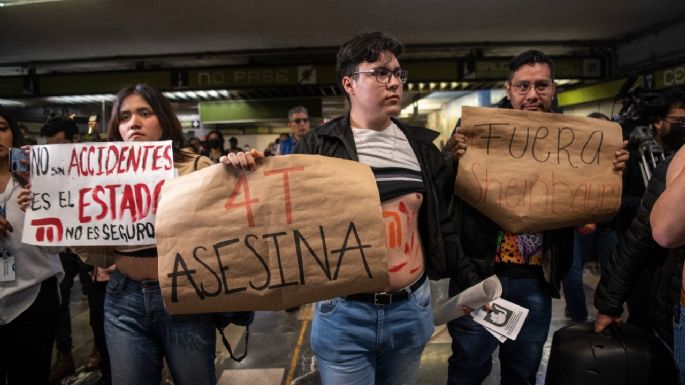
pixel 24 197
pixel 242 160
pixel 621 157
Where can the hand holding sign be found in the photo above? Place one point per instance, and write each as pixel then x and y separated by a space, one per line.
pixel 242 160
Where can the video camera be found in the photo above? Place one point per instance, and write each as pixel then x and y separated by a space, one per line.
pixel 641 105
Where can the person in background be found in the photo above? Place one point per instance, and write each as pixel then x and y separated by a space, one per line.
pixel 284 136
pixel 29 297
pixel 62 130
pixel 270 149
pixel 592 239
pixel 233 145
pixel 214 146
pixel 194 145
pixel 298 122
pixel 29 140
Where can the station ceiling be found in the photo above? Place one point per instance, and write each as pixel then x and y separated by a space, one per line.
pixel 82 36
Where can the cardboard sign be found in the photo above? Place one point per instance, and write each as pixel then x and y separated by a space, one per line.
pixel 298 229
pixel 96 193
pixel 534 171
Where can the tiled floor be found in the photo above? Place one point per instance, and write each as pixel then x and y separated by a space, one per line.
pixel 279 347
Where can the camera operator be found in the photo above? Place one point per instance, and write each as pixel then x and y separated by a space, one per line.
pixel 637 255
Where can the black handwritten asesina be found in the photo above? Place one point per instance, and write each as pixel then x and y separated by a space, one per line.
pixel 223 276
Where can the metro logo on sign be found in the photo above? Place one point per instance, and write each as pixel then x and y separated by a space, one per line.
pixel 96 193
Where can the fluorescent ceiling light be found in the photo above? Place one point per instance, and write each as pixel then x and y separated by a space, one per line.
pixel 10 3
pixel 76 99
pixel 11 103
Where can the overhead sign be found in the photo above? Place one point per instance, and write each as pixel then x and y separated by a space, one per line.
pixel 673 76
pixel 228 111
pixel 564 68
pixel 96 193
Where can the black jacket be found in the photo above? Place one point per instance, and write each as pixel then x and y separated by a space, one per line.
pixel 479 240
pixel 635 252
pixel 442 249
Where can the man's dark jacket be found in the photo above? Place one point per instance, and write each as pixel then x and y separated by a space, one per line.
pixel 479 235
pixel 441 246
pixel 635 252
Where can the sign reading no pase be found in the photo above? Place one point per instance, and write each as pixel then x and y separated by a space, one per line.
pixel 96 193
pixel 534 171
pixel 298 229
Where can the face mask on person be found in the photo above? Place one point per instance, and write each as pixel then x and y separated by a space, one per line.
pixel 214 143
pixel 675 138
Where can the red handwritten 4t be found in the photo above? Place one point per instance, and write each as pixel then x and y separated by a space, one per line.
pixel 47 227
pixel 242 186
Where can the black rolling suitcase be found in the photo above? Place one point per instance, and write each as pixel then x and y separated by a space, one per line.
pixel 621 354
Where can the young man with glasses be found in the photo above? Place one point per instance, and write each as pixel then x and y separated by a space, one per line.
pixel 378 338
pixel 298 122
pixel 517 259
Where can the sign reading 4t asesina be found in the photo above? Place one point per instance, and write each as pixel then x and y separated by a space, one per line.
pixel 96 193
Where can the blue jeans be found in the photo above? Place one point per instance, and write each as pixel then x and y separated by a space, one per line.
pixel 574 292
pixel 140 332
pixel 679 340
pixel 472 345
pixel 358 343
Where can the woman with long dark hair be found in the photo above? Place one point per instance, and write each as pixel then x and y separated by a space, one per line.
pixel 29 277
pixel 139 331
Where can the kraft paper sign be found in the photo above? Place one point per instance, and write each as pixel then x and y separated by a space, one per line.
pixel 534 171
pixel 96 193
pixel 298 229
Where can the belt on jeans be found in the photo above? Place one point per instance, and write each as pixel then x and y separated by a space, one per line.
pixel 388 297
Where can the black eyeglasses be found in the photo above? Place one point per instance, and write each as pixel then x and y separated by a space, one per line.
pixel 383 74
pixel 300 120
pixel 541 87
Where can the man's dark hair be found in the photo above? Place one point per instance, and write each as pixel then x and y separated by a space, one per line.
pixel 57 125
pixel 673 97
pixel 364 47
pixel 598 115
pixel 530 57
pixel 219 136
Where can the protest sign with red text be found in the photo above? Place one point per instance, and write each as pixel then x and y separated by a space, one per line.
pixel 96 193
